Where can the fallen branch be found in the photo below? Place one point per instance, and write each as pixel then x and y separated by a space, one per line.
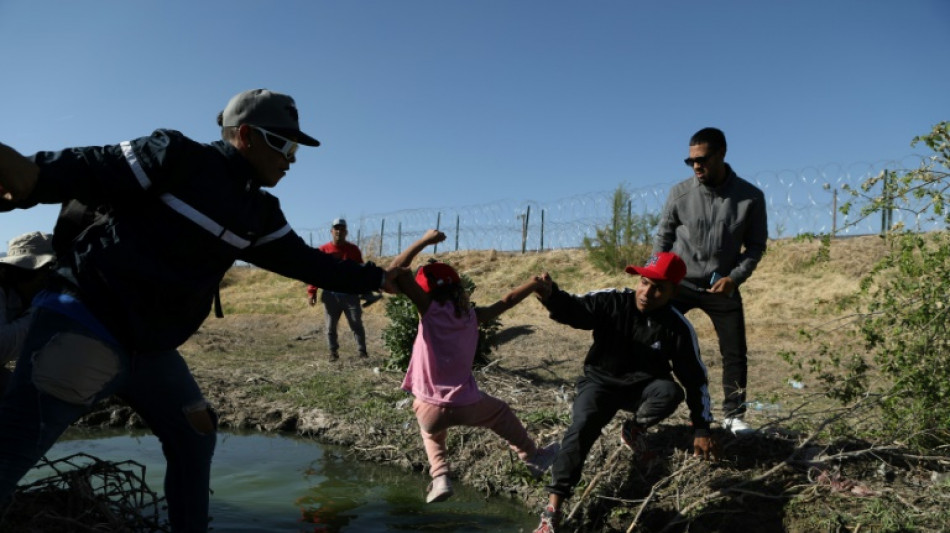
pixel 656 486
pixel 790 460
pixel 593 482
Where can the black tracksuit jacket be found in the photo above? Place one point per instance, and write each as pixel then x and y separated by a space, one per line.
pixel 630 346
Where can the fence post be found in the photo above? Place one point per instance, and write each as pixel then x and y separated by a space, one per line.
pixel 890 204
pixel 834 213
pixel 524 229
pixel 382 231
pixel 457 217
pixel 886 208
pixel 541 246
pixel 438 222
pixel 399 238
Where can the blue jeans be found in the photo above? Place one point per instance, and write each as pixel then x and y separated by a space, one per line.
pixel 348 305
pixel 64 369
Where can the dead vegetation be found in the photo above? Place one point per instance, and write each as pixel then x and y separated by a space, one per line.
pixel 84 494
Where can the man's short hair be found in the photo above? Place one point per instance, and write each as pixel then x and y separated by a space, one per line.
pixel 228 133
pixel 713 137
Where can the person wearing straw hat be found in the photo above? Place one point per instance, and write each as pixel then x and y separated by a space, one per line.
pixel 141 278
pixel 23 272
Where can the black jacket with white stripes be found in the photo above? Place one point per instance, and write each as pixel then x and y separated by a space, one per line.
pixel 182 213
pixel 631 346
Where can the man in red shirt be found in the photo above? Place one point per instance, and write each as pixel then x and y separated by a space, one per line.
pixel 337 303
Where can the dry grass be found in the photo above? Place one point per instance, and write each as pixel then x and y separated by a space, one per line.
pixel 788 292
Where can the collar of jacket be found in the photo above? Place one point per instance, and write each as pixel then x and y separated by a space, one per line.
pixel 726 182
pixel 239 166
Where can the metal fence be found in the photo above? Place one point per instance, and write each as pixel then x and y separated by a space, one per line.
pixel 799 202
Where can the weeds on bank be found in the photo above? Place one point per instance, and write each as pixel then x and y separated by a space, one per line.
pixel 545 417
pixel 344 395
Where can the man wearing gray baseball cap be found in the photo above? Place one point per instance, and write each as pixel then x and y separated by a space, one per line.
pixel 267 110
pixel 174 215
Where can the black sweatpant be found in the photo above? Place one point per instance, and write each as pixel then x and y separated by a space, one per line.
pixel 594 407
pixel 728 318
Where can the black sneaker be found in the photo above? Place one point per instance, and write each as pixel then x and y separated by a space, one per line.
pixel 543 459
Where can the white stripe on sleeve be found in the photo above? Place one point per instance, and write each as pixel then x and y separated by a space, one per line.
pixel 205 222
pixel 135 165
pixel 274 235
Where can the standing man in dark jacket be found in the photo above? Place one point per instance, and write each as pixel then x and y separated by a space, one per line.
pixel 716 221
pixel 139 280
pixel 640 343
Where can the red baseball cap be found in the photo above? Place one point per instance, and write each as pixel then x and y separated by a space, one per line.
pixel 435 275
pixel 662 266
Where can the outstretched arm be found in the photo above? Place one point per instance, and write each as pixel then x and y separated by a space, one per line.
pixel 513 298
pixel 406 283
pixel 405 258
pixel 18 175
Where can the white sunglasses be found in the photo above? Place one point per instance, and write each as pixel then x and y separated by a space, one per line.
pixel 279 143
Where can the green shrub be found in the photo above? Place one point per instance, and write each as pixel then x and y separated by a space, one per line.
pixel 626 240
pixel 400 333
pixel 903 308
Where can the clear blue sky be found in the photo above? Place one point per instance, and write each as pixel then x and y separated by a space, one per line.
pixel 424 104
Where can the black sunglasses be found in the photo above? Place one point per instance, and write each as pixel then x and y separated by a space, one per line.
pixel 690 161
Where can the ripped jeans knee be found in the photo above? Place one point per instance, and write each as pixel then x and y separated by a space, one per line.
pixel 201 417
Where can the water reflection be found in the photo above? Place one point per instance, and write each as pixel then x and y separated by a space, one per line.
pixel 275 483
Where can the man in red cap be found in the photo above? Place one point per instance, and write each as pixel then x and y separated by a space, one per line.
pixel 640 343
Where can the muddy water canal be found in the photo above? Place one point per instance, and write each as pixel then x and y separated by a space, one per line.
pixel 264 482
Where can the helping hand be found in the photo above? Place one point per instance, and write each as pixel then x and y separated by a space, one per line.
pixel 391 284
pixel 706 448
pixel 396 278
pixel 545 286
pixel 18 175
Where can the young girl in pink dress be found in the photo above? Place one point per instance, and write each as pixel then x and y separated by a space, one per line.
pixel 440 371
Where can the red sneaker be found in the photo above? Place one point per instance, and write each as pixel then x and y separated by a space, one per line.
pixel 631 436
pixel 550 520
